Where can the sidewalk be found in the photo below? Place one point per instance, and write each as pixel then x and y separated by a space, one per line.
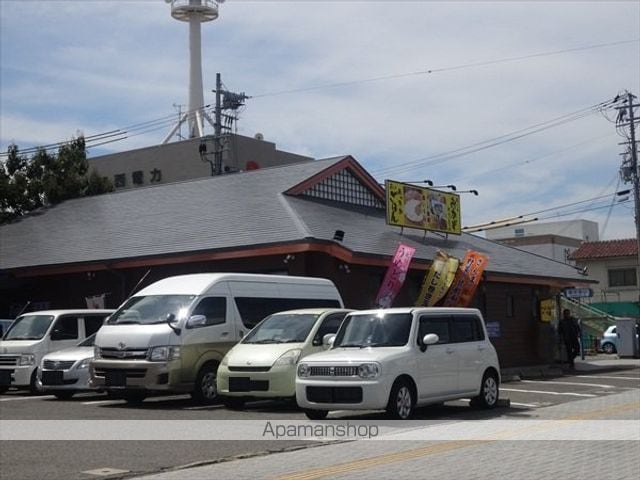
pixel 592 363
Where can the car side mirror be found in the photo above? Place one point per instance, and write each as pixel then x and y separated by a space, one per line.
pixel 327 340
pixel 196 321
pixel 429 339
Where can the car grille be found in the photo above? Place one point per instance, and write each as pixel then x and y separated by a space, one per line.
pixel 9 360
pixel 57 365
pixel 249 369
pixel 114 353
pixel 334 394
pixel 128 372
pixel 334 371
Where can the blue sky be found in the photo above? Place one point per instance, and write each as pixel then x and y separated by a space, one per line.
pixel 93 66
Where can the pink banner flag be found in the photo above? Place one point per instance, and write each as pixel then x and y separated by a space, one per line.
pixel 394 278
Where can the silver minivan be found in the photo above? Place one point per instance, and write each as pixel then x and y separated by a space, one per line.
pixel 34 334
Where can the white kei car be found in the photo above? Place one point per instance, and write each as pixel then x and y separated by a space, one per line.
pixel 400 358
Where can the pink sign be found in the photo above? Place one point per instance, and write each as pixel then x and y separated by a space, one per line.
pixel 394 278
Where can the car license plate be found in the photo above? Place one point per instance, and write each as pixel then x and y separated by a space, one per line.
pixel 239 384
pixel 52 377
pixel 115 379
pixel 5 377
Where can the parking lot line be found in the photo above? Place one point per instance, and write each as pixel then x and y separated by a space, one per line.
pixel 10 399
pixel 609 377
pixel 570 394
pixel 527 405
pixel 553 382
pixel 103 402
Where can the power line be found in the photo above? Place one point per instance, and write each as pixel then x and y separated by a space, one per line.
pixel 443 69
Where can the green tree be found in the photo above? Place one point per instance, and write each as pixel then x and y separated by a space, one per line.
pixel 46 179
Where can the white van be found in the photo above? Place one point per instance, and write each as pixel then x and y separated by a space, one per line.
pixel 172 335
pixel 400 358
pixel 34 334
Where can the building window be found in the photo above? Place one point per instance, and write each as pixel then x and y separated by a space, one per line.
pixel 623 277
pixel 509 305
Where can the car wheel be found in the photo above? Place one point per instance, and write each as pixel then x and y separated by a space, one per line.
pixel 63 395
pixel 401 401
pixel 33 385
pixel 609 348
pixel 233 403
pixel 3 390
pixel 134 398
pixel 316 414
pixel 489 392
pixel 205 390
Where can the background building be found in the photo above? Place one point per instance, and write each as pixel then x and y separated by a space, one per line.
pixel 614 264
pixel 555 240
pixel 186 160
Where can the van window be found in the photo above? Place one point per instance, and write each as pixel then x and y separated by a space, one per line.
pixel 254 309
pixel 92 323
pixel 29 327
pixel 214 308
pixel 467 328
pixel 329 325
pixel 437 325
pixel 65 328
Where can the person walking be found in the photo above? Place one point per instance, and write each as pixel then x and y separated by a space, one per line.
pixel 569 331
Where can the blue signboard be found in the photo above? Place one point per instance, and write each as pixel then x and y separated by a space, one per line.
pixel 578 292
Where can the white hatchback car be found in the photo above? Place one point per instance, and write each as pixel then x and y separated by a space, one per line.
pixel 263 364
pixel 400 358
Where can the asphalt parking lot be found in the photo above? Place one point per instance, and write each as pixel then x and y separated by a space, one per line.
pixel 73 459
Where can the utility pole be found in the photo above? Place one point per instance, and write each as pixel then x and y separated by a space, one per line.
pixel 225 100
pixel 629 168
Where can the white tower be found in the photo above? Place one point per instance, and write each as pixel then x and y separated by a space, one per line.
pixel 195 12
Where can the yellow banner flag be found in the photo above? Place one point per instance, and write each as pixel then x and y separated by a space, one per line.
pixel 438 279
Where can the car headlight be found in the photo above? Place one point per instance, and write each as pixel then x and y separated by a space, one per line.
pixel 289 358
pixel 164 353
pixel 368 370
pixel 97 352
pixel 27 359
pixel 303 370
pixel 84 364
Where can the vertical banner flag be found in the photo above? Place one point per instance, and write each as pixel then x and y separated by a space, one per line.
pixel 394 278
pixel 548 310
pixel 466 280
pixel 438 279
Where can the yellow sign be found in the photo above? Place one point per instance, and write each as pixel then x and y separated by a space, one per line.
pixel 423 208
pixel 548 310
pixel 438 279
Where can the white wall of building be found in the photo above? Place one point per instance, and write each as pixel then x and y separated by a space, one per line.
pixel 584 230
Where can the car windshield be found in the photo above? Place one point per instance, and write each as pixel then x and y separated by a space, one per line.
pixel 152 309
pixel 29 327
pixel 374 330
pixel 282 328
pixel 88 342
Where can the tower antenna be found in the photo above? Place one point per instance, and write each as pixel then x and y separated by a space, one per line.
pixel 194 12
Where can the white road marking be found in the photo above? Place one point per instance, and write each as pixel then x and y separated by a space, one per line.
pixel 106 471
pixel 549 393
pixel 637 379
pixel 204 407
pixel 528 405
pixel 102 402
pixel 10 399
pixel 552 382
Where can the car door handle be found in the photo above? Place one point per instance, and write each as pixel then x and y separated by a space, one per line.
pixel 481 347
pixel 449 350
pixel 224 334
